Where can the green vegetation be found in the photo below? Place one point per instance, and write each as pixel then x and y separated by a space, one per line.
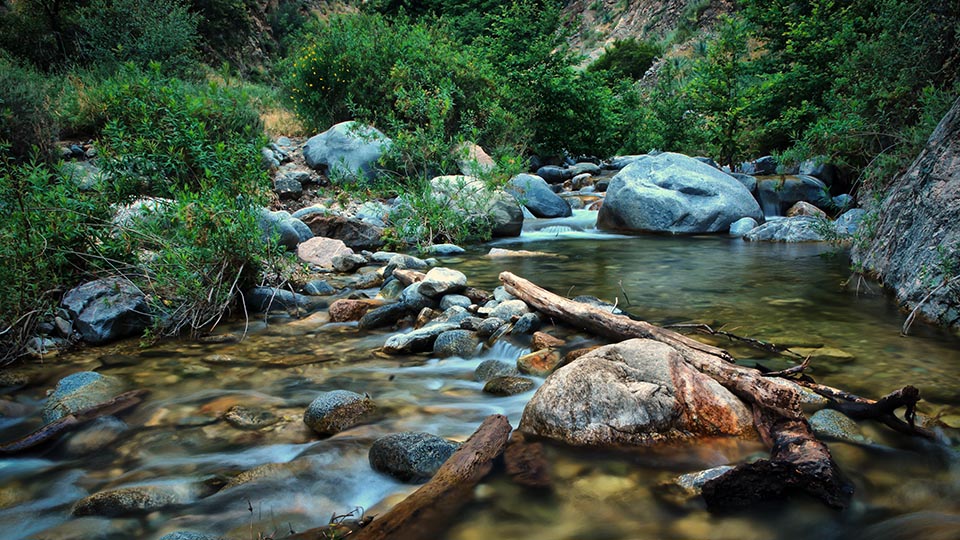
pixel 859 82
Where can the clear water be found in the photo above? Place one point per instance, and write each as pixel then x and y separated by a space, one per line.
pixel 797 295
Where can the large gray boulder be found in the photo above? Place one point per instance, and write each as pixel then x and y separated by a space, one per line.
pixel 536 195
pixel 915 247
pixel 348 150
pixel 637 392
pixel 676 194
pixel 788 230
pixel 478 202
pixel 778 194
pixel 107 309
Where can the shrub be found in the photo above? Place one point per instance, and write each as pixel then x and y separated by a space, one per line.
pixel 48 232
pixel 26 121
pixel 139 31
pixel 163 136
pixel 626 58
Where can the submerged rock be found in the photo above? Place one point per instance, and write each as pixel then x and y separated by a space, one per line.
pixel 638 392
pixel 333 412
pixel 410 456
pixel 792 229
pixel 79 391
pixel 491 369
pixel 136 500
pixel 461 343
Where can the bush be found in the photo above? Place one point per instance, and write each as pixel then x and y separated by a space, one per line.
pixel 26 121
pixel 205 135
pixel 626 58
pixel 139 31
pixel 48 238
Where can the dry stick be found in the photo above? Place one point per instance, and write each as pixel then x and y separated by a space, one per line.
pixel 49 431
pixel 882 410
pixel 753 342
pixel 798 460
pixel 916 309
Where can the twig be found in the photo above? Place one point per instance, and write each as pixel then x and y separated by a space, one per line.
pixel 787 373
pixel 753 342
pixel 916 309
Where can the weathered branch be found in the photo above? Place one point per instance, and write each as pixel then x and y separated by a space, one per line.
pixel 799 461
pixel 428 511
pixel 882 410
pixel 66 423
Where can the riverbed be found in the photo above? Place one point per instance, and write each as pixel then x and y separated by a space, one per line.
pixel 800 295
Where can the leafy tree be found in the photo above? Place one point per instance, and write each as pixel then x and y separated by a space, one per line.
pixel 627 58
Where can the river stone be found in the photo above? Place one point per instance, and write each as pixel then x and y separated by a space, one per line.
pixel 335 411
pixel 534 193
pixel 137 500
pixel 847 224
pixel 348 151
pixel 383 316
pixel 832 424
pixel 500 294
pixel 490 326
pixel 793 229
pixel 320 251
pixel 507 386
pixel 444 249
pixel 414 300
pixel 420 340
pixel 410 456
pixel 676 194
pixel 263 299
pixel 319 287
pixel 742 226
pixel 354 233
pixel 441 281
pixel 783 192
pixel 685 489
pixel 460 343
pixel 347 310
pixel 348 262
pixel 399 261
pixel 526 324
pixel 803 208
pixel 508 310
pixel 450 300
pixel 553 174
pixel 189 535
pixel 107 309
pixel 637 392
pixel 95 436
pixel 242 417
pixel 539 363
pixel 478 203
pixel 79 391
pixel 286 187
pixel 489 369
pixel 282 227
pixel 543 340
pixel 584 167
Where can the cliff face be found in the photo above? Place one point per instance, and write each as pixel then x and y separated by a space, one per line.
pixel 915 249
pixel 598 23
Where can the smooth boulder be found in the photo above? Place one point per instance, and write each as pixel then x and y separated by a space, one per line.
pixel 535 194
pixel 637 392
pixel 676 194
pixel 107 309
pixel 335 411
pixel 348 150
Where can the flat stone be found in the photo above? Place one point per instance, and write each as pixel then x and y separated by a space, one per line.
pixel 321 251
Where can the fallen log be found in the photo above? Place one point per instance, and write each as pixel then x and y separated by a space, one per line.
pixel 429 510
pixel 798 460
pixel 881 410
pixel 120 403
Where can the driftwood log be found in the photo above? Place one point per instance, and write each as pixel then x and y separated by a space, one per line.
pixel 798 460
pixel 429 510
pixel 55 429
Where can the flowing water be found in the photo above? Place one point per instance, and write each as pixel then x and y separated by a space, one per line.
pixel 283 477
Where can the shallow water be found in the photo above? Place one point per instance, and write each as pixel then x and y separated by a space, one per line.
pixel 792 295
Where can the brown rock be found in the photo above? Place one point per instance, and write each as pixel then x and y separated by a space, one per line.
pixel 526 463
pixel 804 208
pixel 638 392
pixel 321 251
pixel 543 340
pixel 577 353
pixel 408 277
pixel 539 363
pixel 346 310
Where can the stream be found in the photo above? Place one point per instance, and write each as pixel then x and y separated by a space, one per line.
pixel 283 477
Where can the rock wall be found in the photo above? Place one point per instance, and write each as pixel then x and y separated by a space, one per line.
pixel 915 248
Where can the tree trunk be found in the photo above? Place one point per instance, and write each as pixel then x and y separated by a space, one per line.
pixel 799 461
